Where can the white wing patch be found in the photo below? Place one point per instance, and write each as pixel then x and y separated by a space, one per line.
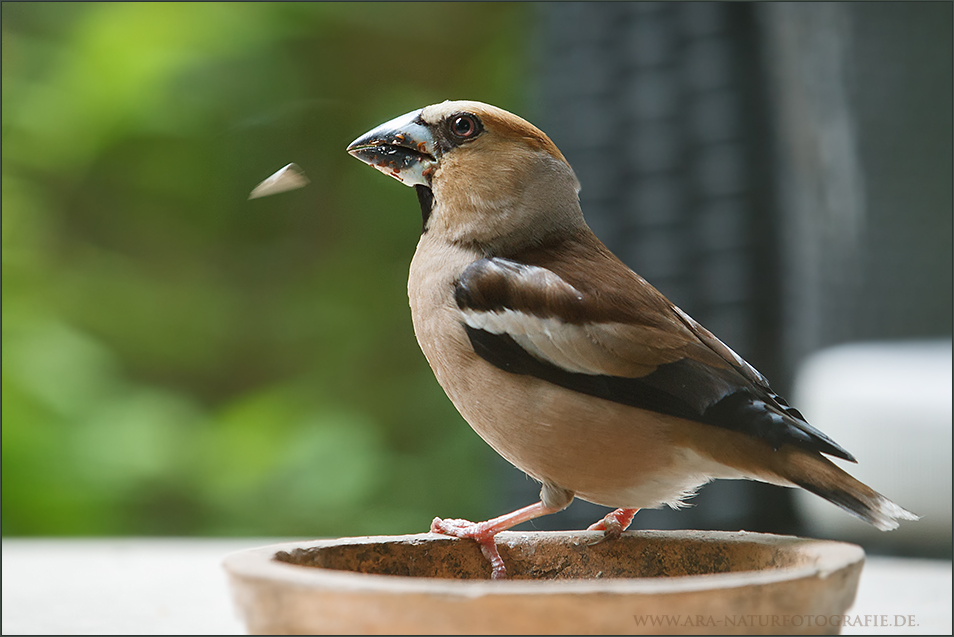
pixel 547 339
pixel 610 348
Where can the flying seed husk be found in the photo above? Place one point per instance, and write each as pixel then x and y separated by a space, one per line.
pixel 291 177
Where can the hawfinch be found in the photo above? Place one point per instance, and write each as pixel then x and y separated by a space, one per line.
pixel 565 361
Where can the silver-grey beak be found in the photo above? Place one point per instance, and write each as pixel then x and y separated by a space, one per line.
pixel 402 148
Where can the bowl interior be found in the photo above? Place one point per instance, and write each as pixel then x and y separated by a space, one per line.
pixel 560 555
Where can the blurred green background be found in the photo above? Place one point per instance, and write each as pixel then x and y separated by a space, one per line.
pixel 179 360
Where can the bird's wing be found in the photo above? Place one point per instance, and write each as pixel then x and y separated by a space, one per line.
pixel 630 346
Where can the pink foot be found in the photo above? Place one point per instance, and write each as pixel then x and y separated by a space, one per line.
pixel 484 532
pixel 614 523
pixel 481 532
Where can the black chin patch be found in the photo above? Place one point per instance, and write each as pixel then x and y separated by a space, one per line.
pixel 425 197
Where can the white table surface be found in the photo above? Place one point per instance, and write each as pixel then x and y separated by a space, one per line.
pixel 134 586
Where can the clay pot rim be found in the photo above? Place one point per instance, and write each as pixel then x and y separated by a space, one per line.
pixel 259 563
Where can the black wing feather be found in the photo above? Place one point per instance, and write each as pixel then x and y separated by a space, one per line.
pixel 668 390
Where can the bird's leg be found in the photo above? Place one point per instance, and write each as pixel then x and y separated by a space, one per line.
pixel 484 532
pixel 615 522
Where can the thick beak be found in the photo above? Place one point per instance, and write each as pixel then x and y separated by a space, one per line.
pixel 402 148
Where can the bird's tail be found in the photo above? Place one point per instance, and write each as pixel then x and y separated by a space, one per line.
pixel 813 472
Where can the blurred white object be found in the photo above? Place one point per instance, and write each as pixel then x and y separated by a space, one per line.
pixel 290 177
pixel 889 404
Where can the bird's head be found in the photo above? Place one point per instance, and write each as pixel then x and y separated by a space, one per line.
pixel 483 175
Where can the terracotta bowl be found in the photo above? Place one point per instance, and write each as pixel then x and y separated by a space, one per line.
pixel 559 582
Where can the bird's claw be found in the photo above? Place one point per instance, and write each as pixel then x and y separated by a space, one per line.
pixel 610 530
pixel 613 524
pixel 610 526
pixel 455 527
pixel 478 532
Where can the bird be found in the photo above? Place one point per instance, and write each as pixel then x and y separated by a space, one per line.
pixel 567 363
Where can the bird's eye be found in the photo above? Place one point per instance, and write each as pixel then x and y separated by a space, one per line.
pixel 464 126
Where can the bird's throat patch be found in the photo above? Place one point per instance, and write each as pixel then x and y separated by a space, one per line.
pixel 425 197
